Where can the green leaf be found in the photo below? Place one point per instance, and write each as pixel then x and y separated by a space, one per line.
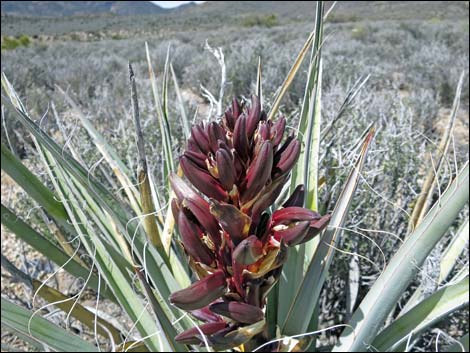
pixel 146 197
pixel 17 319
pixel 165 81
pixel 306 170
pixel 43 196
pixel 162 120
pixel 427 313
pixel 462 345
pixel 69 305
pixel 311 156
pixel 158 306
pixel 119 280
pixel 24 232
pixel 448 260
pixel 389 287
pixel 306 298
pixel 115 273
pixel 259 82
pixel 32 185
pixel 453 251
pixel 271 311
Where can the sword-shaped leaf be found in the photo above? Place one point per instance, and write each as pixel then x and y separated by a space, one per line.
pixel 305 299
pixel 389 287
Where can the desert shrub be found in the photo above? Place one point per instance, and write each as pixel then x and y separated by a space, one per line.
pixel 359 33
pixel 339 18
pixel 24 40
pixel 261 21
pixel 9 43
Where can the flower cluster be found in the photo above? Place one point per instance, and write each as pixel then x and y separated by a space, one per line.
pixel 235 245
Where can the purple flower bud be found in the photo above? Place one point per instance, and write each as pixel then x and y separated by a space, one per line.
pixel 201 293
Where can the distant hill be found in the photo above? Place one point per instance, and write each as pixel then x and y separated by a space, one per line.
pixel 344 10
pixel 216 10
pixel 72 8
pixel 111 17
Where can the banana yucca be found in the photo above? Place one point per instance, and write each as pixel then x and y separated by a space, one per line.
pixel 235 245
pixel 237 242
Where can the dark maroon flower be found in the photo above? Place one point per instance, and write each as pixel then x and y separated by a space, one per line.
pixel 238 167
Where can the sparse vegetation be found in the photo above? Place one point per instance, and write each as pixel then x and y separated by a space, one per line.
pixel 9 43
pixel 267 21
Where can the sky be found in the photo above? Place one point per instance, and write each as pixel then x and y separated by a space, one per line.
pixel 170 4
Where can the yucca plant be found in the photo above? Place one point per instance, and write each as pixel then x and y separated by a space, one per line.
pixel 253 261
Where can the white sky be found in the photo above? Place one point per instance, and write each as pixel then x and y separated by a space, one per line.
pixel 170 4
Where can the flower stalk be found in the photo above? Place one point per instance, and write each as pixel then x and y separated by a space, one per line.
pixel 237 168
